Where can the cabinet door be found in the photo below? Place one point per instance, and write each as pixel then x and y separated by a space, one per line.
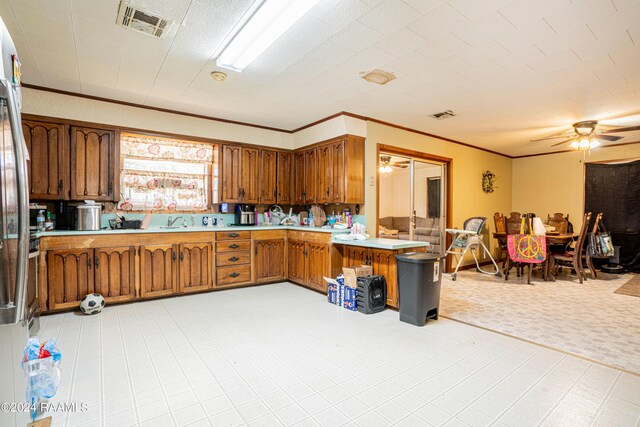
pixel 231 185
pixel 298 184
pixel 310 175
pixel 384 264
pixel 70 274
pixel 196 265
pixel 317 265
pixel 48 169
pixel 269 260
pixel 296 261
pixel 355 255
pixel 115 273
pixel 268 182
pixel 284 173
pixel 249 172
pixel 158 266
pixel 92 162
pixel 337 173
pixel 325 167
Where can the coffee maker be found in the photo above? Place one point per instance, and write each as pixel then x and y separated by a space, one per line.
pixel 245 215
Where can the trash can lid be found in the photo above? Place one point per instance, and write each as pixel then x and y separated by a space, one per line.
pixel 418 257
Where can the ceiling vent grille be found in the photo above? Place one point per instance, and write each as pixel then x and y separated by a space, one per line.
pixel 143 21
pixel 443 115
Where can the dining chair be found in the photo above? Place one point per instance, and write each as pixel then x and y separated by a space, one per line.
pixel 559 222
pixel 501 227
pixel 574 257
pixel 585 253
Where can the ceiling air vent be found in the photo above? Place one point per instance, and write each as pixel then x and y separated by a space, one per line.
pixel 143 21
pixel 443 115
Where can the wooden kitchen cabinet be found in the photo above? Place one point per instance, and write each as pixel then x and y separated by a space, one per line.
pixel 115 273
pixel 70 277
pixel 324 169
pixel 250 189
pixel 317 265
pixel 93 153
pixel 337 174
pixel 296 261
pixel 48 169
pixel 158 270
pixel 310 175
pixel 268 178
pixel 284 177
pixel 299 193
pixel 196 267
pixel 230 171
pixel 269 258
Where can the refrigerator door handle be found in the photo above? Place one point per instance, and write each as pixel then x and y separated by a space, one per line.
pixel 23 200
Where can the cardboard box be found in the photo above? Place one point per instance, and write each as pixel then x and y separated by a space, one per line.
pixel 351 274
pixel 333 289
pixel 349 298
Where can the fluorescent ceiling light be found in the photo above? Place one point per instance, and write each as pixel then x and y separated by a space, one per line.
pixel 262 25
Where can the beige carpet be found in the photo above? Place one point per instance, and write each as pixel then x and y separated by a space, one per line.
pixel 631 288
pixel 589 320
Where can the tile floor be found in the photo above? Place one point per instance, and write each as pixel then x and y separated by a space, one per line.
pixel 589 319
pixel 281 355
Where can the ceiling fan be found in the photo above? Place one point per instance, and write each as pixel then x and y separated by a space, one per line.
pixel 587 134
pixel 386 164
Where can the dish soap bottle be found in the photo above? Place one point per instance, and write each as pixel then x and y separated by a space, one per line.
pixel 48 224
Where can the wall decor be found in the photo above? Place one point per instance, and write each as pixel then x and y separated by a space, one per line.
pixel 487 181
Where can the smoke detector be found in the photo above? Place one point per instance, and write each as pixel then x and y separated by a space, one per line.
pixel 379 77
pixel 143 21
pixel 218 76
pixel 443 115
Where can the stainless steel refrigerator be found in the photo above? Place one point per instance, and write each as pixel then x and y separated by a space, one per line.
pixel 14 233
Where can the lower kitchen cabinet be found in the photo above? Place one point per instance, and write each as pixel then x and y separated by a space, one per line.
pixel 309 259
pixel 70 277
pixel 196 265
pixel 115 273
pixel 296 261
pixel 269 260
pixel 317 265
pixel 158 269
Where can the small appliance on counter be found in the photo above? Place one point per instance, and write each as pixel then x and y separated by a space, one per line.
pixel 89 216
pixel 245 215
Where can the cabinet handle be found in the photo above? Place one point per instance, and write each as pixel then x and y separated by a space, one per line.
pixel 234 274
pixel 173 256
pixel 181 256
pixel 239 192
pixel 60 186
pixel 110 186
pixel 234 246
pixel 89 261
pixel 97 263
pixel 233 235
pixel 234 259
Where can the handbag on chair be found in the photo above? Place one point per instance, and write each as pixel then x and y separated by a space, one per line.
pixel 527 248
pixel 600 243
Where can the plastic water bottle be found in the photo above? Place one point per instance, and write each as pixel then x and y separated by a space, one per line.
pixel 310 218
pixel 40 221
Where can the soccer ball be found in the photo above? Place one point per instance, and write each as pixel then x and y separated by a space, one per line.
pixel 92 304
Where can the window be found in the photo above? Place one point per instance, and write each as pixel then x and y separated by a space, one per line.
pixel 162 174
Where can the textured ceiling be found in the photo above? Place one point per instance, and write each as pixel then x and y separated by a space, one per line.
pixel 512 70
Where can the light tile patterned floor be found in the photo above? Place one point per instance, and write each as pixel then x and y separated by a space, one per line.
pixel 589 319
pixel 281 355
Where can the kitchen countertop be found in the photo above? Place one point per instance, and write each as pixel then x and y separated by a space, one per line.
pixel 378 243
pixel 56 233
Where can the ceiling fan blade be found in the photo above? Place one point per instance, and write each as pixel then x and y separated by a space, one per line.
pixel 564 135
pixel 627 129
pixel 609 137
pixel 560 143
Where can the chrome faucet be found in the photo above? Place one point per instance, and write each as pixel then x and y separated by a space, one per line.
pixel 171 221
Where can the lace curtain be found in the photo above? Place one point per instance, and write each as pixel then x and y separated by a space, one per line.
pixel 161 174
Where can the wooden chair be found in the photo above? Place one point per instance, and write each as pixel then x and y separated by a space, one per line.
pixel 513 223
pixel 501 227
pixel 574 257
pixel 585 253
pixel 559 221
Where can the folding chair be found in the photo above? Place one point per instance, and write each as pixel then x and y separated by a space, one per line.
pixel 470 239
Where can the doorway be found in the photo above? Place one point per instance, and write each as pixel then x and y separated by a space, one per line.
pixel 413 197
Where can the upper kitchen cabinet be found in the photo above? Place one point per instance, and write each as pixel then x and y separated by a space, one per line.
pixel 299 193
pixel 49 151
pixel 250 175
pixel 310 175
pixel 231 162
pixel 284 176
pixel 325 168
pixel 345 170
pixel 93 154
pixel 268 178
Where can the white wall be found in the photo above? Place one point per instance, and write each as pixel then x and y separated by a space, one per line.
pixel 73 107
pixel 337 126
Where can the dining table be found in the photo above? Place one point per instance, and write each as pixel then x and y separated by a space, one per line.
pixel 550 262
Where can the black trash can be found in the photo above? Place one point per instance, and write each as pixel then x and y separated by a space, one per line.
pixel 419 276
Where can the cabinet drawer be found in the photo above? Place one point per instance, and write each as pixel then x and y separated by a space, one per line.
pixel 233 274
pixel 233 246
pixel 233 235
pixel 233 258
